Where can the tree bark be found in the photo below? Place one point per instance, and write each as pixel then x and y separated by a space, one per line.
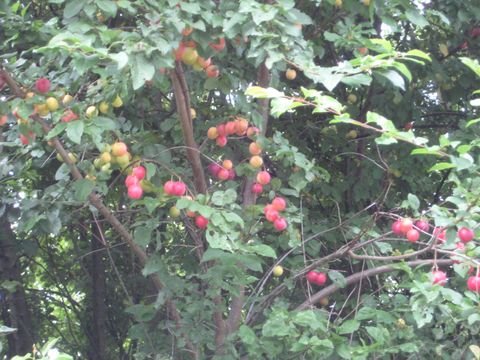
pixel 17 314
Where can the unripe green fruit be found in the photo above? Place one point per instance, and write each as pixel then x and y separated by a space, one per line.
pixel 174 212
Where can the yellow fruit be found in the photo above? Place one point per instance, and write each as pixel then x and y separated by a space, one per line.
pixel 227 164
pixel 73 158
pixel 254 148
pixel 67 99
pixel 105 157
pixel 352 134
pixel 338 3
pixel 190 56
pixel 256 161
pixel 366 2
pixel 212 133
pixel 29 95
pixel 91 111
pixel 124 160
pixel 290 74
pixel 443 49
pixel 193 113
pixel 277 271
pixel 52 104
pixel 105 168
pixel 117 102
pixel 42 109
pixel 103 107
pixel 352 99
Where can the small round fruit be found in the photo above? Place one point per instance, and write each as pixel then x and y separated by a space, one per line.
pixel 139 172
pixel 42 85
pixel 52 104
pixel 168 187
pixel 117 102
pixel 252 131
pixel 263 178
pixel 241 126
pixel 119 149
pixel 221 140
pixel 256 161
pixel 123 160
pixel 103 107
pixel 352 98
pixel 223 174
pixel 227 164
pixel 279 203
pixel 174 212
pixel 465 235
pixel 290 74
pixel 280 224
pixel 231 174
pixel 352 134
pixel 257 188
pixel 189 56
pixel 321 278
pixel 105 157
pixel 271 215
pixel 179 188
pixel 135 192
pixel 406 225
pixel 193 113
pixel 440 234
pixel 422 225
pixel 396 227
pixel 201 222
pixel 67 99
pixel 473 283
pixel 91 111
pixel 439 277
pixel 277 271
pixel 311 276
pixel 230 127
pixel 212 71
pixel 213 169
pixel 221 130
pixel 254 148
pixel 413 235
pixel 131 180
pixel 42 109
pixel 212 133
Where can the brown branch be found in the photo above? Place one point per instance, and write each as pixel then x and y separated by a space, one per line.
pixel 357 277
pixel 12 84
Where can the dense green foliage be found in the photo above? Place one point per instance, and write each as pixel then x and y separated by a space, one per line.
pixel 380 123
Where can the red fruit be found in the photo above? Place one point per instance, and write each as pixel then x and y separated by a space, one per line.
pixel 406 225
pixel 440 233
pixel 231 174
pixel 201 222
pixel 139 172
pixel 135 192
pixel 42 85
pixel 311 276
pixel 179 188
pixel 168 187
pixel 396 227
pixel 230 127
pixel 24 140
pixel 119 149
pixel 221 140
pixel 131 180
pixel 263 177
pixel 252 131
pixel 221 130
pixel 68 116
pixel 439 277
pixel 271 215
pixel 257 188
pixel 422 225
pixel 219 46
pixel 267 208
pixel 473 283
pixel 280 224
pixel 214 168
pixel 179 52
pixel 465 234
pixel 212 71
pixel 413 235
pixel 223 174
pixel 279 204
pixel 3 120
pixel 321 278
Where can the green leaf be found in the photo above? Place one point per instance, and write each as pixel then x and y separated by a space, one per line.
pixel 83 188
pixel 337 278
pixel 107 6
pixel 143 235
pixel 475 349
pixel 348 327
pixel 262 250
pixel 73 7
pixel 416 18
pixel 56 130
pixel 413 202
pixel 121 58
pixel 472 64
pixel 441 166
pixel 420 54
pixel 393 77
pixel 263 93
pixel 75 131
pixel 142 70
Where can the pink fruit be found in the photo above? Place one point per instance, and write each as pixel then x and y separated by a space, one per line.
pixel 221 140
pixel 263 178
pixel 131 180
pixel 214 168
pixel 279 204
pixel 271 215
pixel 221 130
pixel 422 225
pixel 406 225
pixel 179 188
pixel 321 278
pixel 440 234
pixel 201 222
pixel 413 235
pixel 223 174
pixel 135 192
pixel 473 283
pixel 439 277
pixel 42 85
pixel 168 187
pixel 139 172
pixel 257 188
pixel 396 227
pixel 460 246
pixel 465 234
pixel 231 174
pixel 280 224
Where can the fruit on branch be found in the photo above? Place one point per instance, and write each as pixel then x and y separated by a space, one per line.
pixel 413 235
pixel 440 234
pixel 465 234
pixel 135 191
pixel 189 56
pixel 352 98
pixel 256 161
pixel 290 74
pixel 139 172
pixel 221 140
pixel 68 116
pixel 123 160
pixel 422 225
pixel 67 99
pixel 42 85
pixel 174 212
pixel 221 130
pixel 203 63
pixel 397 227
pixel 213 169
pixel 131 180
pixel 91 111
pixel 212 71
pixel 257 188
pixel 201 222
pixel 279 203
pixel 227 164
pixel 271 215
pixel 252 131
pixel 117 102
pixel 473 283
pixel 280 224
pixel 175 188
pixel 218 46
pixel 105 157
pixel 103 107
pixel 352 134
pixel 230 127
pixel 212 133
pixel 119 149
pixel 277 271
pixel 406 225
pixel 187 31
pixel 52 104
pixel 263 177
pixel 241 126
pixel 41 109
pixel 223 174
pixel 25 139
pixel 317 278
pixel 254 148
pixel 439 277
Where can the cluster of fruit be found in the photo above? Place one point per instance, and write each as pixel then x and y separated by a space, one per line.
pixel 411 231
pixel 175 188
pixel 239 126
pixel 272 213
pixel 222 172
pixel 188 54
pixel 316 277
pixel 114 154
pixel 133 182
